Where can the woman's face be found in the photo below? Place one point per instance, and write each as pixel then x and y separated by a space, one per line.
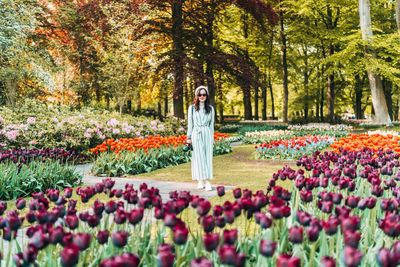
pixel 202 95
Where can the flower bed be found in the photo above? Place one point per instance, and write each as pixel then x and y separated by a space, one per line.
pixel 339 209
pixel 376 142
pixel 36 125
pixel 33 154
pixel 292 148
pixel 266 136
pixel 140 155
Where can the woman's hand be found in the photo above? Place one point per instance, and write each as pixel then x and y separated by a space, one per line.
pixel 189 141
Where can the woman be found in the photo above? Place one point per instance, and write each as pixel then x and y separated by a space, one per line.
pixel 200 134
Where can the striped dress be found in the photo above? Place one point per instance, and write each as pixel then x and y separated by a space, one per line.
pixel 201 131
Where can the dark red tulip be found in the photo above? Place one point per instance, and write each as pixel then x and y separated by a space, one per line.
pixel 352 201
pixel 384 258
pixel 352 257
pixel 296 234
pixel 210 241
pixel 203 207
pixel 227 254
pixel 237 193
pixel 68 192
pixel 208 223
pixel 352 239
pixel 331 225
pixel 304 218
pixel 69 256
pixel 220 221
pixel 267 248
pixel 93 220
pixel 82 240
pixel 72 221
pixel 180 234
pixel 165 257
pixel 351 223
pixel 285 260
pixel 325 206
pixel 240 259
pixel 119 238
pixel 328 262
pixel 102 236
pixel 29 255
pixel 217 210
pixel 312 233
pixel 201 262
pixel 110 206
pixel 98 207
pixel 53 194
pixel 108 183
pixel 229 216
pixel 170 219
pixel 120 216
pixel 136 216
pixel 230 236
pixel 391 224
pixel 306 196
pixel 126 259
pixel 220 190
pixel 56 235
pixel 20 203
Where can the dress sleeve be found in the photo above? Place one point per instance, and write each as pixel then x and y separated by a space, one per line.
pixel 190 123
pixel 212 122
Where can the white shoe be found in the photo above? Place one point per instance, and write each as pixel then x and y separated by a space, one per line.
pixel 200 184
pixel 208 186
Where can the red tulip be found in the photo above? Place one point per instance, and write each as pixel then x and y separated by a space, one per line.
pixel 126 259
pixel 119 238
pixel 201 262
pixel 102 236
pixel 208 223
pixel 180 234
pixel 352 257
pixel 165 256
pixel 210 241
pixel 220 191
pixel 285 260
pixel 296 235
pixel 227 254
pixel 328 262
pixel 69 256
pixel 267 248
pixel 82 240
pixel 230 236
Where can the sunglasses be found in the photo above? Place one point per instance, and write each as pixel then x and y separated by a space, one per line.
pixel 202 95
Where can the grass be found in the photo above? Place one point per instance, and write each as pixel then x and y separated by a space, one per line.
pixel 239 168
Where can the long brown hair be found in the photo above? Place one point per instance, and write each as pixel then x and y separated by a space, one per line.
pixel 196 101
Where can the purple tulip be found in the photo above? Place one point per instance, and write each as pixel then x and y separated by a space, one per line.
pixel 312 233
pixel 285 260
pixel 120 216
pixel 20 203
pixel 352 239
pixel 220 191
pixel 208 223
pixel 72 221
pixel 136 216
pixel 203 207
pixel 68 192
pixel 384 258
pixel 267 248
pixel 328 262
pixel 237 193
pixel 69 256
pixel 102 236
pixel 98 207
pixel 119 238
pixel 230 236
pixel 296 235
pixel 180 234
pixel 210 241
pixel 165 256
pixel 352 257
pixel 201 262
pixel 126 259
pixel 82 240
pixel 56 235
pixel 227 254
pixel 391 224
pixel 306 196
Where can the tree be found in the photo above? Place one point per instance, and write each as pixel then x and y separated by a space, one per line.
pixel 375 82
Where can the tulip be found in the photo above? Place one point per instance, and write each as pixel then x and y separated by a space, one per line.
pixel 330 226
pixel 56 235
pixel 120 216
pixel 313 233
pixel 227 254
pixel 29 255
pixel 210 241
pixel 237 193
pixel 303 218
pixel 204 207
pixel 352 257
pixel 240 260
pixel 230 236
pixel 93 220
pixel 98 207
pixel 220 191
pixel 267 248
pixel 180 234
pixel 136 215
pixel 285 260
pixel 102 236
pixel 220 221
pixel 352 239
pixel 306 196
pixel 69 256
pixel 82 240
pixel 165 256
pixel 126 259
pixel 72 221
pixel 170 219
pixel 108 183
pixel 296 235
pixel 68 192
pixel 352 201
pixel 119 238
pixel 20 203
pixel 351 223
pixel 208 223
pixel 391 225
pixel 217 210
pixel 328 262
pixel 384 258
pixel 201 262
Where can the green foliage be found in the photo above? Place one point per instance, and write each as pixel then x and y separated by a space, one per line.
pixel 126 162
pixel 23 180
pixel 255 127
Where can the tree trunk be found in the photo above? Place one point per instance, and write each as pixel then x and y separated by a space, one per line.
pixel 178 55
pixel 271 91
pixel 378 95
pixel 256 102
pixel 220 95
pixel 264 99
pixel 358 98
pixel 388 90
pixel 209 67
pixel 246 100
pixel 285 82
pixel 306 82
pixel 398 14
